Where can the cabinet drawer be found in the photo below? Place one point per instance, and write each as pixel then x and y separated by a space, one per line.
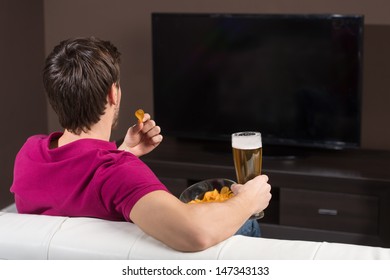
pixel 329 211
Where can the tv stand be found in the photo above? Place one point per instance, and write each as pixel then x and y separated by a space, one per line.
pixel 207 146
pixel 335 196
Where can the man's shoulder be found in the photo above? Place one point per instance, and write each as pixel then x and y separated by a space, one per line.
pixel 34 141
pixel 37 137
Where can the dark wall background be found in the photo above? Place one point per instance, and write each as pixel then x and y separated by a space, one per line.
pixel 30 29
pixel 23 108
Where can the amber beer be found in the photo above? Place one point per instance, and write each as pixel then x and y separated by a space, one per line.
pixel 247 157
pixel 247 164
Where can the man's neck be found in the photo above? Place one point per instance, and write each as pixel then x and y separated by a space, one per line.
pixel 69 137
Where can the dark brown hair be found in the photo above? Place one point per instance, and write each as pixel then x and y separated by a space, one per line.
pixel 78 76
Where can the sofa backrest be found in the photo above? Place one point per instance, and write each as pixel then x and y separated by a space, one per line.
pixel 24 236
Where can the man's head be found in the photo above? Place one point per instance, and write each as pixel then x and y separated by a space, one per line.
pixel 78 76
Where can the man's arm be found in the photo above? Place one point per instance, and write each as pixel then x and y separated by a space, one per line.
pixel 195 227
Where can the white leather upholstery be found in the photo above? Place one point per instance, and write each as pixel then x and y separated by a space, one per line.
pixel 334 251
pixel 26 237
pixel 44 237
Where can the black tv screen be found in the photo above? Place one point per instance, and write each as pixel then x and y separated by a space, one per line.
pixel 295 78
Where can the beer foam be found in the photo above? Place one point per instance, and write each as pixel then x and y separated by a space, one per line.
pixel 246 140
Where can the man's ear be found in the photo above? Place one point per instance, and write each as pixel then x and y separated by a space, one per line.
pixel 113 95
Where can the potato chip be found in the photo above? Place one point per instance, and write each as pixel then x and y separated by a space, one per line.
pixel 215 196
pixel 140 115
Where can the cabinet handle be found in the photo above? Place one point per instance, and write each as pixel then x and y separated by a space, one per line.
pixel 330 212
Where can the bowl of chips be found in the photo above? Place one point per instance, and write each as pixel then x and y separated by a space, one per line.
pixel 210 190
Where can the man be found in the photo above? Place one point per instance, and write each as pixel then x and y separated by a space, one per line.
pixel 81 173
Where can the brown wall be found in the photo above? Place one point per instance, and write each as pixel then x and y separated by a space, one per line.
pixel 376 89
pixel 27 28
pixel 23 107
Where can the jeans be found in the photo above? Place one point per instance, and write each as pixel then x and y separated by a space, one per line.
pixel 250 228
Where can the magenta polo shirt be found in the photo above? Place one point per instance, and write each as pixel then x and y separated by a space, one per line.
pixel 88 178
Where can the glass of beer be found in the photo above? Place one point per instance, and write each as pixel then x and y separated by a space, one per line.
pixel 247 156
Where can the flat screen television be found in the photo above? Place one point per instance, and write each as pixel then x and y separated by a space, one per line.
pixel 295 78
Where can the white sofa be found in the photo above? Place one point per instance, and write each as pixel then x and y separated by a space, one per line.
pixel 45 237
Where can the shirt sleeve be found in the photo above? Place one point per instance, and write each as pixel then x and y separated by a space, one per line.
pixel 125 182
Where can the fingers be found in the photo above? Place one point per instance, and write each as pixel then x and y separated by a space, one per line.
pixel 146 117
pixel 135 129
pixel 147 125
pixel 150 130
pixel 263 178
pixel 235 188
pixel 257 192
pixel 150 125
pixel 155 140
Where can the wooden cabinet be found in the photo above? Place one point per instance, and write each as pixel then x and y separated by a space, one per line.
pixel 334 196
pixel 329 211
